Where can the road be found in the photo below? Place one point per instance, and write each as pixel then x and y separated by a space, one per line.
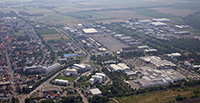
pixel 83 97
pixel 87 57
pixel 10 70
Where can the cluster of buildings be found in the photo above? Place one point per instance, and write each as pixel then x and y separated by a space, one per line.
pixel 146 49
pixel 126 39
pixel 82 31
pixel 98 78
pixel 6 89
pixel 162 28
pixel 23 47
pixel 158 63
pixel 119 67
pixel 82 67
pixel 42 69
pixel 153 77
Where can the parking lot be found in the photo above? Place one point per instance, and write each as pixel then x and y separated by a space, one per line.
pixel 111 43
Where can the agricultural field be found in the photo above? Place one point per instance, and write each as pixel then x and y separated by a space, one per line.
pixel 52 36
pixel 46 31
pixel 176 12
pixel 160 96
pixel 71 79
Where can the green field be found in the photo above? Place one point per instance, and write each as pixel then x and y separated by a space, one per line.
pixel 20 32
pixel 46 31
pixel 71 79
pixel 152 13
pixel 160 96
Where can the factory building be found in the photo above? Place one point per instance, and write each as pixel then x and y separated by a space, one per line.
pixel 124 66
pixel 158 63
pixel 52 68
pixel 71 72
pixel 98 78
pixel 153 77
pixel 161 20
pixel 174 55
pixel 90 31
pixel 95 91
pixel 119 67
pixel 82 67
pixel 61 82
pixel 182 33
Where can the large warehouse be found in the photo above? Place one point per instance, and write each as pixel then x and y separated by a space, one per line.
pixel 153 77
pixel 90 31
pixel 158 63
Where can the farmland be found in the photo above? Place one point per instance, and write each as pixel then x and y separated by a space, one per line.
pixel 159 96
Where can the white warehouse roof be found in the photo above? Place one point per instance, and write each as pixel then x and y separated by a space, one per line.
pixel 95 91
pixel 90 30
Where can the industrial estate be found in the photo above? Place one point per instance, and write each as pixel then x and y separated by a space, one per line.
pixel 79 51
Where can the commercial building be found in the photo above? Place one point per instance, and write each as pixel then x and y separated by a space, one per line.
pixel 52 68
pixel 160 24
pixel 90 31
pixel 158 63
pixel 82 67
pixel 173 55
pixel 119 67
pixel 95 91
pixel 143 47
pixel 34 69
pixel 71 72
pixel 153 77
pixel 98 78
pixel 182 33
pixel 161 20
pixel 115 67
pixel 61 82
pixel 123 66
pixel 70 56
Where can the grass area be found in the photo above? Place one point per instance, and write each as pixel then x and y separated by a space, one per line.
pixel 48 37
pixel 46 31
pixel 152 13
pixel 71 79
pixel 20 32
pixel 160 96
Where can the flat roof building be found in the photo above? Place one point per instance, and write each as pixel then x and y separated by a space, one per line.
pixel 158 63
pixel 95 91
pixel 153 77
pixel 71 72
pixel 52 68
pixel 61 82
pixel 161 20
pixel 158 24
pixel 81 67
pixel 90 31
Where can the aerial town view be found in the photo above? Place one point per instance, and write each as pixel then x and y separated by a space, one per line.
pixel 99 51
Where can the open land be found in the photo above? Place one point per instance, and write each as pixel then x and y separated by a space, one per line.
pixel 158 96
pixel 177 12
pixel 52 36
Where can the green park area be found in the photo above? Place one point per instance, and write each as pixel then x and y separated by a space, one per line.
pixel 71 79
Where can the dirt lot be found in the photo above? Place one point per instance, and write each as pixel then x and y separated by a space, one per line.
pixel 177 12
pixel 52 36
